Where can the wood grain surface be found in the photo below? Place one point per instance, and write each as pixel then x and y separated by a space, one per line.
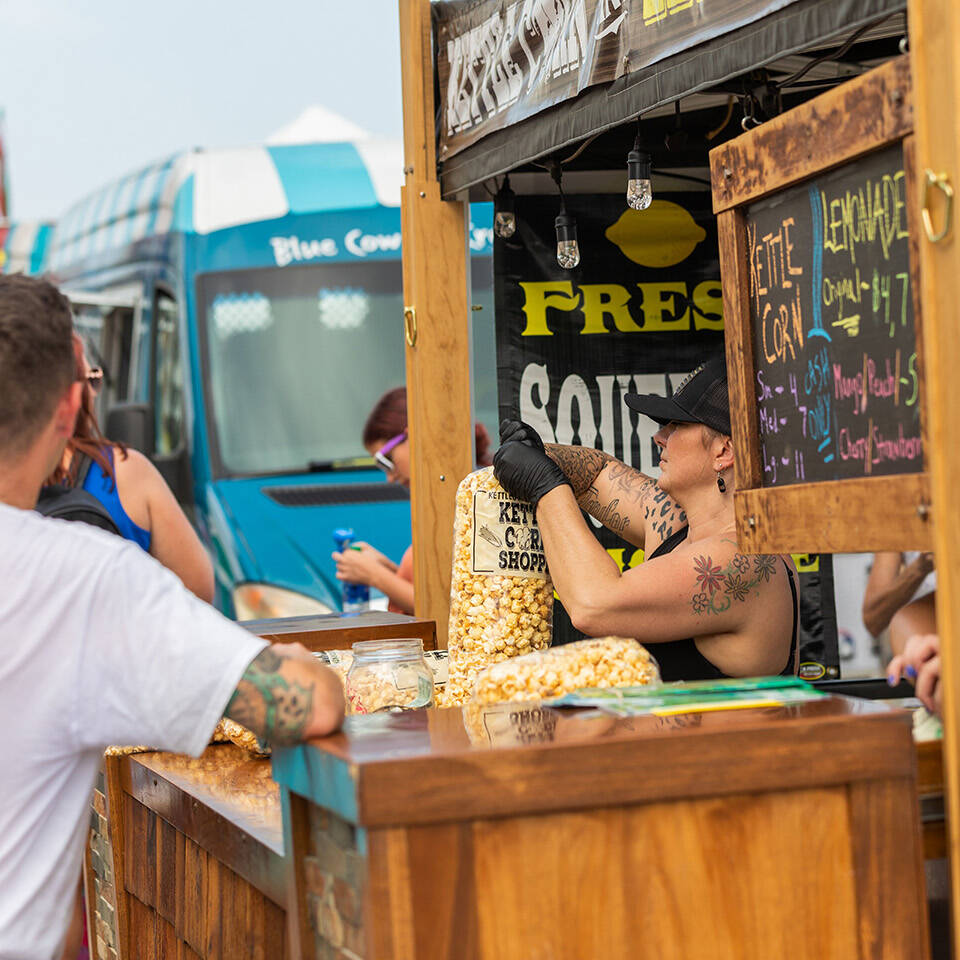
pixel 796 874
pixel 340 633
pixel 934 42
pixel 717 879
pixel 840 516
pixel 225 802
pixel 116 812
pixel 915 228
pixel 846 122
pixel 296 842
pixel 183 902
pixel 405 770
pixel 892 917
pixel 738 340
pixel 435 285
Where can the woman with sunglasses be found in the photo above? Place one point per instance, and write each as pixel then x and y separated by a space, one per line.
pixel 385 439
pixel 131 489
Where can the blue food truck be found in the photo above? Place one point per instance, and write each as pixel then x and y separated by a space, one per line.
pixel 246 306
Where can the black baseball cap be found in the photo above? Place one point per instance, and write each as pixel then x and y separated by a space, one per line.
pixel 701 398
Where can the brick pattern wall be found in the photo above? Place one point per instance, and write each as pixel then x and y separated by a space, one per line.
pixel 105 936
pixel 335 877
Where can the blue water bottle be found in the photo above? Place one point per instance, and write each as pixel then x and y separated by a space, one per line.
pixel 356 596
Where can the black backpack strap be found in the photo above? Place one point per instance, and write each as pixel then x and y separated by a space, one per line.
pixel 83 469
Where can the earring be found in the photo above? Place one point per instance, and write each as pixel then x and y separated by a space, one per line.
pixel 720 484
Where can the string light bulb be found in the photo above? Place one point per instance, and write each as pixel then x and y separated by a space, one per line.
pixel 568 250
pixel 639 187
pixel 505 218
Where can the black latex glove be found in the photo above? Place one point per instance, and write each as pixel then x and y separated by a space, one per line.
pixel 518 430
pixel 526 472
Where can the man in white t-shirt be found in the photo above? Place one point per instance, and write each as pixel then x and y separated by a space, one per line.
pixel 100 644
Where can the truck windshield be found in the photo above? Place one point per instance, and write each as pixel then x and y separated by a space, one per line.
pixel 296 357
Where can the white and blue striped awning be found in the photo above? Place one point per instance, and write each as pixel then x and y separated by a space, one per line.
pixel 207 190
pixel 25 246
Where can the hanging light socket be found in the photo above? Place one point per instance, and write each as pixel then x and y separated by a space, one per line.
pixel 639 185
pixel 505 218
pixel 568 250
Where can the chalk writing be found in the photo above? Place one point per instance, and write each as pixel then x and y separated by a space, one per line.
pixel 831 303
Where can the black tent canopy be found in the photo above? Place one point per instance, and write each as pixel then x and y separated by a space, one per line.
pixel 544 113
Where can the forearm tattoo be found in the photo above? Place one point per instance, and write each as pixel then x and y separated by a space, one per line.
pixel 581 465
pixel 274 706
pixel 632 484
pixel 718 588
pixel 607 513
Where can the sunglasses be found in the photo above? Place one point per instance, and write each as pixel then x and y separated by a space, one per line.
pixel 383 461
pixel 94 380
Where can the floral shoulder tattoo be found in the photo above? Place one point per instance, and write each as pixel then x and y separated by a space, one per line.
pixel 719 587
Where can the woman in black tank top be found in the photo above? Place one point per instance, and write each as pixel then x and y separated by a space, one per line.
pixel 682 659
pixel 705 609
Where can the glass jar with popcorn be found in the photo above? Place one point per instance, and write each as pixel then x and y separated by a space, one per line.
pixel 388 675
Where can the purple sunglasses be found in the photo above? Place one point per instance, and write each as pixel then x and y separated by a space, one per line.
pixel 383 461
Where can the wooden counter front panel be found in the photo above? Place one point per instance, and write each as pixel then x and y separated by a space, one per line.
pixel 184 903
pixel 742 877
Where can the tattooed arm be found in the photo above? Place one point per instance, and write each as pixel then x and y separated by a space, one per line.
pixel 623 499
pixel 738 607
pixel 286 696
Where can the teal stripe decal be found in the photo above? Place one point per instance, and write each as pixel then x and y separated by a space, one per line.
pixel 323 176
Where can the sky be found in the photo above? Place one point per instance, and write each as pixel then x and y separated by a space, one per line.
pixel 92 90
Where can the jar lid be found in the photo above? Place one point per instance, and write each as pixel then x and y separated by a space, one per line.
pixel 393 649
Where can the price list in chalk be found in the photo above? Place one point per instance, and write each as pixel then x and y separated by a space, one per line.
pixel 831 306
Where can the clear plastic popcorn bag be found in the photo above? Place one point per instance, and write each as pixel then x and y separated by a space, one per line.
pixel 501 594
pixel 504 706
pixel 599 663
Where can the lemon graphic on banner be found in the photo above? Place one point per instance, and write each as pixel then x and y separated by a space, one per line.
pixel 660 236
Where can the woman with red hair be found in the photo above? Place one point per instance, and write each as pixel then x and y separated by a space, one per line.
pixel 385 439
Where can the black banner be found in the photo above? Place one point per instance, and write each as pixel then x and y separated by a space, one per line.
pixel 641 310
pixel 500 61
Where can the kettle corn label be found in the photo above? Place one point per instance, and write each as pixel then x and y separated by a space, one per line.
pixel 506 538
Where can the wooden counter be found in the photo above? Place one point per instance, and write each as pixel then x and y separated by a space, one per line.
pixel 190 861
pixel 788 832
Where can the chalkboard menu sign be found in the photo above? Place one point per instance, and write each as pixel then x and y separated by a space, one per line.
pixel 817 223
pixel 831 310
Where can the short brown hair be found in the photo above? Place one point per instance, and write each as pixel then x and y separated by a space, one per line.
pixel 37 362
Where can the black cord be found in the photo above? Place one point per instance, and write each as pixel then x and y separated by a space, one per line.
pixel 833 56
pixel 555 169
pixel 814 84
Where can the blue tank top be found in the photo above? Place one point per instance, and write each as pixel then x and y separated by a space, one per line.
pixel 103 487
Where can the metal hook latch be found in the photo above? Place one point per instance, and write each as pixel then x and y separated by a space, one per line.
pixel 410 325
pixel 749 120
pixel 942 182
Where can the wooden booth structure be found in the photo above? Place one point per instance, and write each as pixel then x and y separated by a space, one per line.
pixel 521 831
pixel 833 100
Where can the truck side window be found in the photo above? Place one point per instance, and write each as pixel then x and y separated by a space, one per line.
pixel 168 390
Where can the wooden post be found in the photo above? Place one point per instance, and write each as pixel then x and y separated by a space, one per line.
pixel 934 48
pixel 436 327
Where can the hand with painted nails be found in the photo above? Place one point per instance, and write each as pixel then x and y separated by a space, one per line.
pixel 920 664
